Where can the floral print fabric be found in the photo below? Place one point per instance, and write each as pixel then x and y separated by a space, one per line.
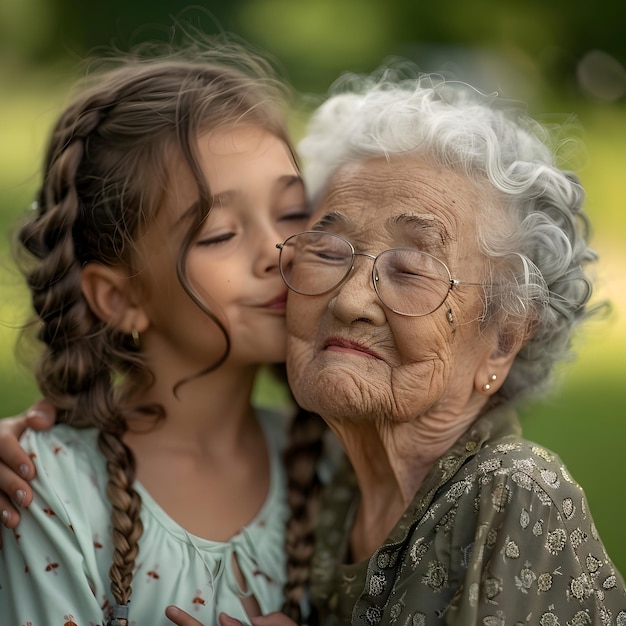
pixel 499 534
pixel 54 568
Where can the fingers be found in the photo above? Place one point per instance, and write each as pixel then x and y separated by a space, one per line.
pixel 227 620
pixel 9 514
pixel 15 488
pixel 40 416
pixel 180 618
pixel 16 468
pixel 271 619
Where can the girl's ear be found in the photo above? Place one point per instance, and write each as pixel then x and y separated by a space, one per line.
pixel 108 292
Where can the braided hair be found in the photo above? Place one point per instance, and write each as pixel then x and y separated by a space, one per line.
pixel 104 178
pixel 302 455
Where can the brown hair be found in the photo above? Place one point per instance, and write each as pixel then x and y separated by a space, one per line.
pixel 304 450
pixel 104 177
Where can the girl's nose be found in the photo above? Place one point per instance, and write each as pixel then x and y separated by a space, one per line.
pixel 267 253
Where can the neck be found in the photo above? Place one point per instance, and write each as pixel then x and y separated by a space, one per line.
pixel 208 447
pixel 391 461
pixel 209 411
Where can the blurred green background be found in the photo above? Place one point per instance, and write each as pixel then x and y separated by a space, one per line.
pixel 560 57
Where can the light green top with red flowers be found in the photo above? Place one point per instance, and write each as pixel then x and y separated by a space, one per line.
pixel 54 567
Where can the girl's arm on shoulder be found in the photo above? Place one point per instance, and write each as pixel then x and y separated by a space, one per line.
pixel 16 467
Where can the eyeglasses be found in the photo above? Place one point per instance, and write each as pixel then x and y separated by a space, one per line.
pixel 407 281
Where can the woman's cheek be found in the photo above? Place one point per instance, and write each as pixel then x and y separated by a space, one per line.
pixel 299 355
pixel 416 388
pixel 303 322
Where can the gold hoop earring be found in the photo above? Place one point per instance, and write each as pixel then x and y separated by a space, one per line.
pixel 487 386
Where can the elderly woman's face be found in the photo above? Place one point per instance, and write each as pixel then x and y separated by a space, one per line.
pixel 349 356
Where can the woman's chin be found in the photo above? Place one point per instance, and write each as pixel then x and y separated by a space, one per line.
pixel 334 392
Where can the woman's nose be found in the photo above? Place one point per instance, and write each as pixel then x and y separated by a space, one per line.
pixel 356 299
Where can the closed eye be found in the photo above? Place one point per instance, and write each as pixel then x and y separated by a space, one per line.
pixel 292 217
pixel 326 255
pixel 217 239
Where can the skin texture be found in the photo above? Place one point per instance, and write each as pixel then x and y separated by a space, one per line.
pixel 397 390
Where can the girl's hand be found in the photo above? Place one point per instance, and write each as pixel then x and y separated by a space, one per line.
pixel 180 618
pixel 271 619
pixel 16 468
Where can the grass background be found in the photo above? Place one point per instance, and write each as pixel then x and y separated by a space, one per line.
pixel 584 420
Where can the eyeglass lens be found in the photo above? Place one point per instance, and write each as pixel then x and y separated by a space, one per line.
pixel 406 280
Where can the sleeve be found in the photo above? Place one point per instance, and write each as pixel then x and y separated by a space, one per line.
pixel 536 556
pixel 46 571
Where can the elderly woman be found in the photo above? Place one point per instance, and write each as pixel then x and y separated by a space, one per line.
pixel 439 284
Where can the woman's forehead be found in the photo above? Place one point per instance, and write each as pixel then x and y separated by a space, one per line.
pixel 404 195
pixel 425 230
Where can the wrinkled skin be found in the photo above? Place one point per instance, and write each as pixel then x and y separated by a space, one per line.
pixel 424 367
pixel 397 390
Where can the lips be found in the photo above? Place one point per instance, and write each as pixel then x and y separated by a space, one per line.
pixel 277 303
pixel 340 344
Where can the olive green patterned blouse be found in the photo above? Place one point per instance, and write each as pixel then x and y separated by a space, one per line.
pixel 499 534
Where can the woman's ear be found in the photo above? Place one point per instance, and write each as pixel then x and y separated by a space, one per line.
pixel 493 371
pixel 108 291
pixel 495 367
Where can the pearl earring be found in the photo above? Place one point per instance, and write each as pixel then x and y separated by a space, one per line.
pixel 487 386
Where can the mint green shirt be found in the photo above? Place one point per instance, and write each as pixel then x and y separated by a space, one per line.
pixel 54 567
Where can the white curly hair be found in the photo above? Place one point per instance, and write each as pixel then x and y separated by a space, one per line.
pixel 538 285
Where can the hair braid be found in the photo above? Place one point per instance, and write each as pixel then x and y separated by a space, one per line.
pixel 301 458
pixel 80 357
pixel 107 170
pixel 66 324
pixel 125 517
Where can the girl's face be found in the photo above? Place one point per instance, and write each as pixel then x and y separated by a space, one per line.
pixel 233 263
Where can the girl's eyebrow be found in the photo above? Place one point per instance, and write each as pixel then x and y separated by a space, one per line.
pixel 227 196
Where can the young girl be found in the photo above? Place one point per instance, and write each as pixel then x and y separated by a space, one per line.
pixel 153 271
